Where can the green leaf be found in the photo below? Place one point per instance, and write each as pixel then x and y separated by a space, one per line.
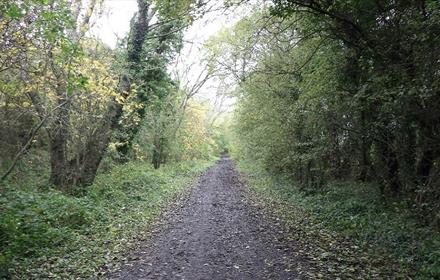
pixel 14 11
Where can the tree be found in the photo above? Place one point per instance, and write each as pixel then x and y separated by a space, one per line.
pixel 72 81
pixel 392 75
pixel 338 90
pixel 160 45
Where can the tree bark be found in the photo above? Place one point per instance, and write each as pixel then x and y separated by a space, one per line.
pixel 392 181
pixel 97 144
pixel 82 169
pixel 428 154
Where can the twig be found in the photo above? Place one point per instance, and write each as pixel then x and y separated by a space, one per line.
pixel 29 143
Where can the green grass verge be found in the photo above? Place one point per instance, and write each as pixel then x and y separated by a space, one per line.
pixel 349 231
pixel 47 234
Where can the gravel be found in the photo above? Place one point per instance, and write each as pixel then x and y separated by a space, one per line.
pixel 216 232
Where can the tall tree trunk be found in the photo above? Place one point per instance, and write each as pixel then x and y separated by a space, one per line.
pixel 97 144
pixel 58 162
pixel 428 154
pixel 158 152
pixel 82 169
pixel 392 181
pixel 365 146
pixel 128 135
pixel 58 135
pixel 138 33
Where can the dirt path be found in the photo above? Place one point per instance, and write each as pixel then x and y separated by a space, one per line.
pixel 216 234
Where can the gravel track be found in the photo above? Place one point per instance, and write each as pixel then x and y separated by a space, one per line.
pixel 216 233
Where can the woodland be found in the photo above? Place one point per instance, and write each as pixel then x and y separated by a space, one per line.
pixel 336 121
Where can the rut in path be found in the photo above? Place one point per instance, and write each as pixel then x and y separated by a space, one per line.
pixel 216 234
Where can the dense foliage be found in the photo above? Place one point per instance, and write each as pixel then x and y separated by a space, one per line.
pixel 72 108
pixel 341 91
pixel 340 99
pixel 327 92
pixel 72 96
pixel 45 233
pixel 347 230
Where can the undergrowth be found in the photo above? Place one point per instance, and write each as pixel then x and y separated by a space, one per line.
pixel 45 233
pixel 349 230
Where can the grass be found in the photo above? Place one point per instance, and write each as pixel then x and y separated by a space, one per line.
pixel 349 230
pixel 47 234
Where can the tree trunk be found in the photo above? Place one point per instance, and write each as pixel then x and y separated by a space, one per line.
pixel 98 142
pixel 158 152
pixel 83 168
pixel 425 165
pixel 58 135
pixel 392 181
pixel 428 154
pixel 129 134
pixel 365 146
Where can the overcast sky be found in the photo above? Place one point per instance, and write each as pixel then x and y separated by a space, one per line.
pixel 115 22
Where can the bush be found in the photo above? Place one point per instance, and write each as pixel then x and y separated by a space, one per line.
pixel 386 229
pixel 50 234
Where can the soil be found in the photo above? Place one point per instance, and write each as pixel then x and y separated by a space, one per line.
pixel 216 232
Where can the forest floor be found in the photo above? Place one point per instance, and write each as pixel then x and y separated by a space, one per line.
pixel 217 232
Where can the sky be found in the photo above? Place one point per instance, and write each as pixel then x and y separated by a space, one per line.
pixel 115 22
